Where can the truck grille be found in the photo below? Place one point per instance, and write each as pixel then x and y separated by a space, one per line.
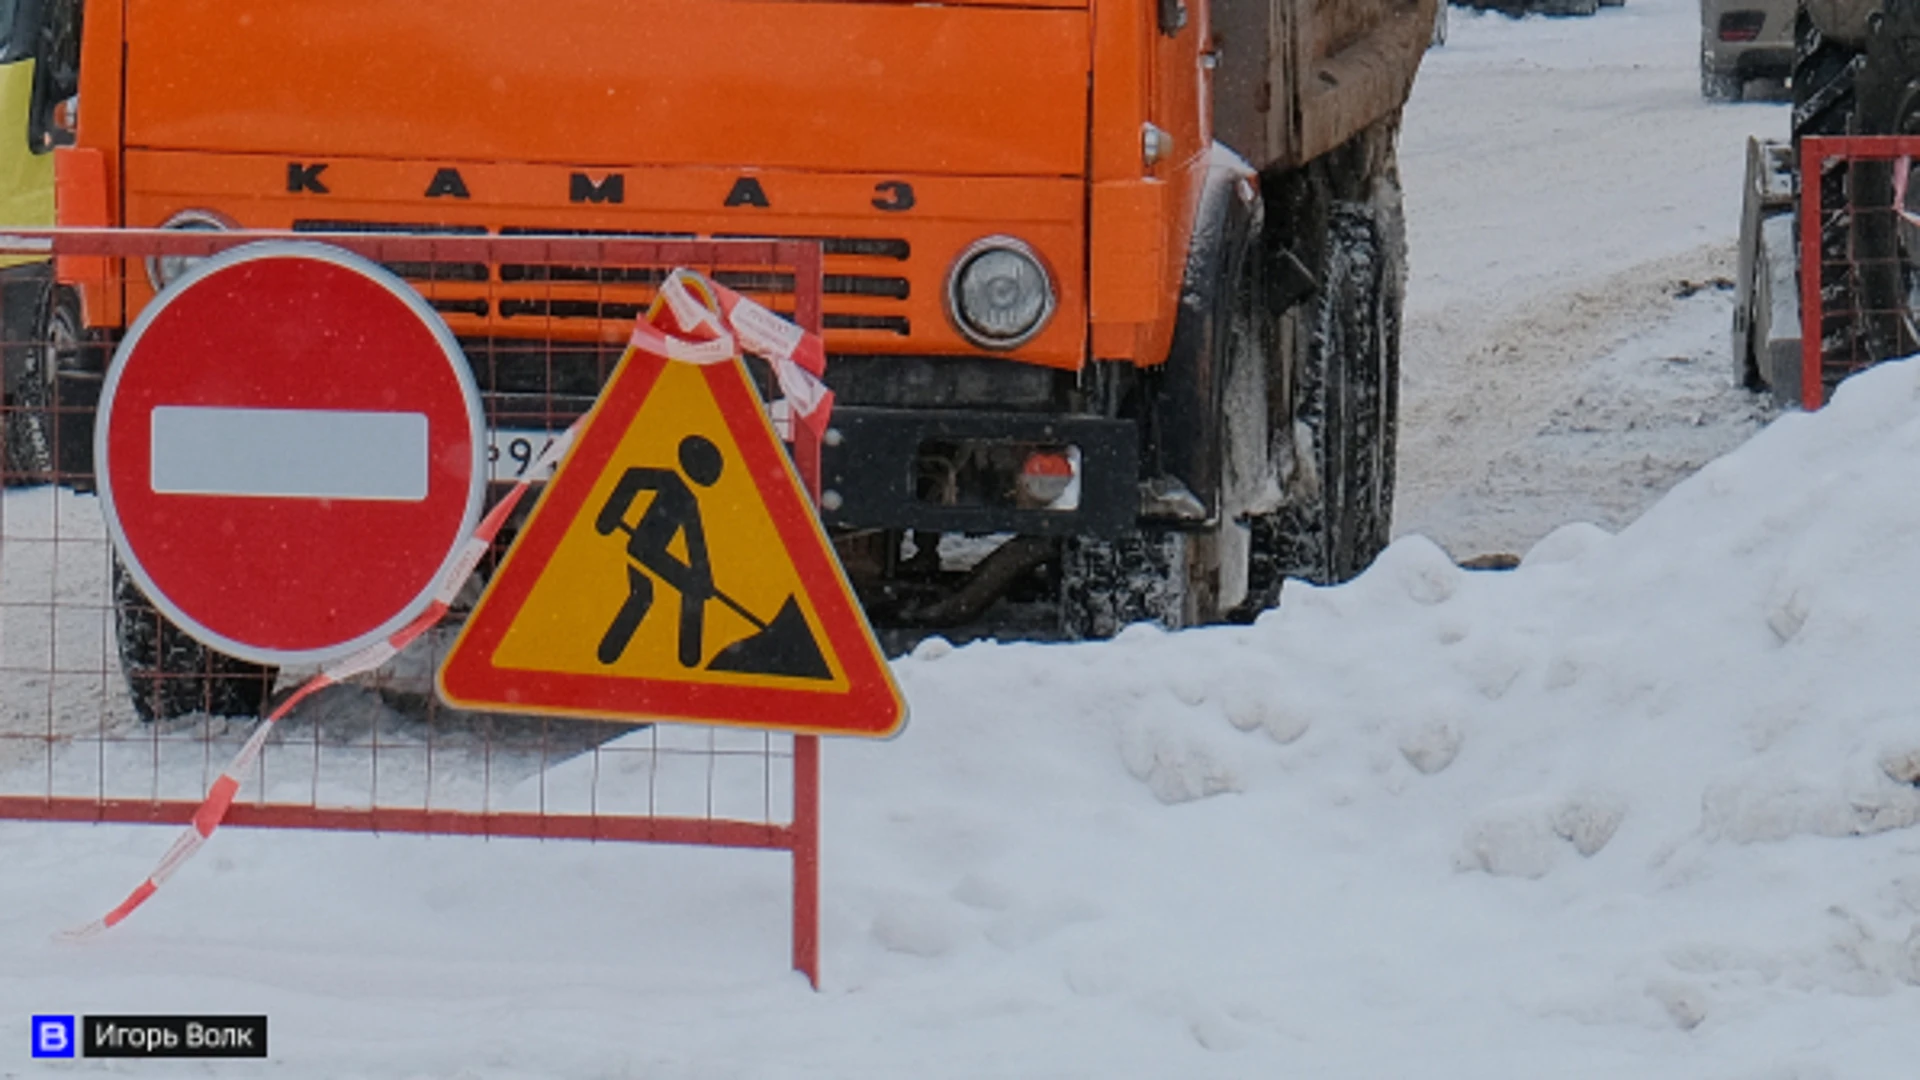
pixel 578 302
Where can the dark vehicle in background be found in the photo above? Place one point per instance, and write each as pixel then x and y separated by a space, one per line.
pixel 1855 73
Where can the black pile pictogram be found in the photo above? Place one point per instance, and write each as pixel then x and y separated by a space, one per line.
pixel 783 645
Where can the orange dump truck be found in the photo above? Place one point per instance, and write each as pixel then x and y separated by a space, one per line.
pixel 1112 287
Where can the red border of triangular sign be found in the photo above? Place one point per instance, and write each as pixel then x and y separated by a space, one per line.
pixel 870 704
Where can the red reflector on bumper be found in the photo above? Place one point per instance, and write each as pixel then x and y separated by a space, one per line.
pixel 1742 25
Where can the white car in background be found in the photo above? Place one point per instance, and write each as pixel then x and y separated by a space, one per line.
pixel 1517 8
pixel 1742 40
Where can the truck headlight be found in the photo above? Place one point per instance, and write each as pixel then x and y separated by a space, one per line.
pixel 164 270
pixel 999 294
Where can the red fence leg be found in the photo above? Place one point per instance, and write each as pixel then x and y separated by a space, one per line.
pixel 1813 162
pixel 806 748
pixel 806 856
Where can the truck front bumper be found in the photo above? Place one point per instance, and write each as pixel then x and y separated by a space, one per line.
pixel 961 471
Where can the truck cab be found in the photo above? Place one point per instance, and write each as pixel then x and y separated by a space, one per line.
pixel 1111 286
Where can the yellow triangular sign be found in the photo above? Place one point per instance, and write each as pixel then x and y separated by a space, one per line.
pixel 674 570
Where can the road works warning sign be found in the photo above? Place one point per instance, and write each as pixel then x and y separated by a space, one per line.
pixel 674 570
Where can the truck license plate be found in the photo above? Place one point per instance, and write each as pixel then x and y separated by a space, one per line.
pixel 511 453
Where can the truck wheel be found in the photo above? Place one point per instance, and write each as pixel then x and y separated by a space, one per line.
pixel 1823 101
pixel 1823 76
pixel 33 414
pixel 1336 448
pixel 170 673
pixel 1717 85
pixel 1106 585
pixel 1885 103
pixel 1187 576
pixel 1165 575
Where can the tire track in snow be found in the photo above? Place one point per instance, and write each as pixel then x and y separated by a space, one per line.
pixel 1584 403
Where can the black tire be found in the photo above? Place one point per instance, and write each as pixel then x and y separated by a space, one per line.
pixel 33 414
pixel 1823 103
pixel 1337 440
pixel 1167 574
pixel 1886 103
pixel 1717 85
pixel 1106 585
pixel 1193 575
pixel 1746 367
pixel 169 673
pixel 1865 271
pixel 1823 81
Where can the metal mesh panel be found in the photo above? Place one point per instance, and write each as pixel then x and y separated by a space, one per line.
pixel 109 713
pixel 1859 256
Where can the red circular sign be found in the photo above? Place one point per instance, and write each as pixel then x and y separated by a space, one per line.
pixel 289 452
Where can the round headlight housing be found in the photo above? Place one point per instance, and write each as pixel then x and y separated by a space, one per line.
pixel 999 293
pixel 164 270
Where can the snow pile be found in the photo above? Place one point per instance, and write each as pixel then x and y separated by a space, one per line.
pixel 1646 784
pixel 1640 807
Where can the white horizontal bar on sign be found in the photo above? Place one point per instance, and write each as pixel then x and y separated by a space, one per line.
pixel 289 453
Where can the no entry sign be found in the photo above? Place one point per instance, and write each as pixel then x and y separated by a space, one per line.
pixel 290 452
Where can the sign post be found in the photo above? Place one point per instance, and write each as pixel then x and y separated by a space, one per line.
pixel 128 789
pixel 675 567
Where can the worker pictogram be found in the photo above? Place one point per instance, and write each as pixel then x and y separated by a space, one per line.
pixel 674 570
pixel 783 645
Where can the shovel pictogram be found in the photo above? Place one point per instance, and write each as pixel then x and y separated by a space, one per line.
pixel 783 645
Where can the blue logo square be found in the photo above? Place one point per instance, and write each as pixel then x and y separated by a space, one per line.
pixel 53 1037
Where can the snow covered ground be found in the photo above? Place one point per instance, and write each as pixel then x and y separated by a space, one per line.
pixel 1566 186
pixel 1641 807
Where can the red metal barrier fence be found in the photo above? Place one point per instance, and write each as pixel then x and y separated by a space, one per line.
pixel 1859 256
pixel 542 321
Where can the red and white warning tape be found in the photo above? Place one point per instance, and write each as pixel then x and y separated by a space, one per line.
pixel 220 796
pixel 692 331
pixel 1901 168
pixel 703 322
